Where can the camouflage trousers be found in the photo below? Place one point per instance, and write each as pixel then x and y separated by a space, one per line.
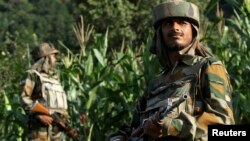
pixel 46 135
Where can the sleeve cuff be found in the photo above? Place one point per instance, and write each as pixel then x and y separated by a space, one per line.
pixel 171 127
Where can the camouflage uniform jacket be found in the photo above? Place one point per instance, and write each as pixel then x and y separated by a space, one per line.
pixel 207 83
pixel 45 89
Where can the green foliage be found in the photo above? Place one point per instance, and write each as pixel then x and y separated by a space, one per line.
pixel 105 67
pixel 53 21
pixel 29 22
pixel 127 20
pixel 241 56
pixel 103 85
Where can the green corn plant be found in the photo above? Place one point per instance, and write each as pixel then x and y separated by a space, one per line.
pixel 240 66
pixel 103 83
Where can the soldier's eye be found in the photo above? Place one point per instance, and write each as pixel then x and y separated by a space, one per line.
pixel 181 22
pixel 167 23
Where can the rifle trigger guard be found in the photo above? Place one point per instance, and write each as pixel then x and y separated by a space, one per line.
pixel 144 120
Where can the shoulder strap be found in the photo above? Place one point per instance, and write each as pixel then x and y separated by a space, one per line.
pixel 42 77
pixel 34 71
pixel 210 60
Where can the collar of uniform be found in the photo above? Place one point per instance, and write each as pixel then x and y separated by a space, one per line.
pixel 189 59
pixel 187 55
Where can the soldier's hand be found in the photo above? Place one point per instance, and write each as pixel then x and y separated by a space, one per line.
pixel 152 129
pixel 46 120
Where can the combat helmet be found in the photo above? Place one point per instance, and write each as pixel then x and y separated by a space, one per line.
pixel 44 49
pixel 176 8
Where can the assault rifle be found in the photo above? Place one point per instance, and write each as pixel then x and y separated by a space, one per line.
pixel 39 108
pixel 163 111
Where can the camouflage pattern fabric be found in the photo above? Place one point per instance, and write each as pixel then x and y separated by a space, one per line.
pixel 207 83
pixel 176 8
pixel 44 49
pixel 197 73
pixel 30 92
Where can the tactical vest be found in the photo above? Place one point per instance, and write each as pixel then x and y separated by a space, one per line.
pixel 53 94
pixel 169 88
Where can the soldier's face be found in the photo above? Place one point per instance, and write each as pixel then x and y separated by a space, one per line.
pixel 177 33
pixel 53 59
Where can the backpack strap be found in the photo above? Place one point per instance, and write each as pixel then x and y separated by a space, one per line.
pixel 199 97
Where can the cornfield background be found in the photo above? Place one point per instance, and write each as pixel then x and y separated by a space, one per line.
pixel 104 61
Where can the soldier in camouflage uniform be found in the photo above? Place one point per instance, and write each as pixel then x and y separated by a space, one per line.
pixel 41 84
pixel 190 69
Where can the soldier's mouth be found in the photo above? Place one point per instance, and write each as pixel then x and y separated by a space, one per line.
pixel 175 34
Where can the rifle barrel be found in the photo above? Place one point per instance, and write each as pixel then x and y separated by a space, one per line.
pixel 162 112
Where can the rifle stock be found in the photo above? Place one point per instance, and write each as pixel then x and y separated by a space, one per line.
pixel 39 108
